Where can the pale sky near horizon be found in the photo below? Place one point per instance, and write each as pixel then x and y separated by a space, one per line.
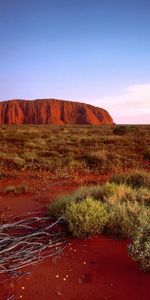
pixel 93 51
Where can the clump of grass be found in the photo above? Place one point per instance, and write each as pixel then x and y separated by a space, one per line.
pixel 40 142
pixel 143 196
pixel 147 154
pixel 3 175
pixel 86 218
pixel 107 193
pixel 16 189
pixel 94 159
pixel 30 145
pixel 58 207
pixel 44 162
pixel 100 155
pixel 125 206
pixel 123 217
pixel 139 250
pixel 96 147
pixel 122 129
pixel 3 155
pixel 33 131
pixel 107 161
pixel 18 161
pixel 30 156
pixel 136 179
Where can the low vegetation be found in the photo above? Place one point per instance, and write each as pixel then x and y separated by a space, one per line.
pixel 101 149
pixel 135 179
pixel 109 193
pixel 147 153
pixel 120 207
pixel 86 218
pixel 16 189
pixel 122 129
pixel 117 208
pixel 140 248
pixel 3 175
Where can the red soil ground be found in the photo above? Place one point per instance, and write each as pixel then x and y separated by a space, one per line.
pixel 98 268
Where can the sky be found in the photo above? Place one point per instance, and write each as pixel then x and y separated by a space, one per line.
pixel 93 51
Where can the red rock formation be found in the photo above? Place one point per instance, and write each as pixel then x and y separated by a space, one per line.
pixel 51 111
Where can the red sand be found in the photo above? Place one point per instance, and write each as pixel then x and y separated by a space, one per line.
pixel 97 268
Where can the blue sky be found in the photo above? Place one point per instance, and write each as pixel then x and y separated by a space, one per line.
pixel 94 51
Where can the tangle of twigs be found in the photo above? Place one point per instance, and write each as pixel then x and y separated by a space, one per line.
pixel 29 240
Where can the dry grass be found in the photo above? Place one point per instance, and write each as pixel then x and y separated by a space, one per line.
pixel 126 207
pixel 95 148
pixel 16 189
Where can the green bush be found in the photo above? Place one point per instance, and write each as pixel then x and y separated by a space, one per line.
pixel 108 193
pixel 136 179
pixel 86 218
pixel 126 207
pixel 57 208
pixel 139 250
pixel 123 217
pixel 98 192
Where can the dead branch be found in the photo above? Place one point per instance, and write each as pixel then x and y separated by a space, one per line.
pixel 30 240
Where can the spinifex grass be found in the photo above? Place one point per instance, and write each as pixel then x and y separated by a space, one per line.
pixel 76 147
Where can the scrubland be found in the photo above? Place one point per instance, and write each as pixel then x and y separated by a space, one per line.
pixel 103 149
pixel 94 179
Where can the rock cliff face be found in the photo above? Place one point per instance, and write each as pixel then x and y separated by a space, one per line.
pixel 51 111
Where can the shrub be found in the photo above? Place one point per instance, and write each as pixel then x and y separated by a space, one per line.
pixel 3 175
pixel 122 193
pixel 30 156
pixel 125 206
pixel 147 153
pixel 98 192
pixel 18 161
pixel 18 189
pixel 100 155
pixel 44 162
pixel 143 195
pixel 40 142
pixel 123 217
pixel 86 218
pixel 30 145
pixel 109 192
pixel 121 129
pixel 136 179
pixel 57 208
pixel 139 250
pixel 106 152
pixel 119 222
pixel 101 160
pixel 3 155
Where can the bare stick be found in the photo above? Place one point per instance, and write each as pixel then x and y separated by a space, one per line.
pixel 29 241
